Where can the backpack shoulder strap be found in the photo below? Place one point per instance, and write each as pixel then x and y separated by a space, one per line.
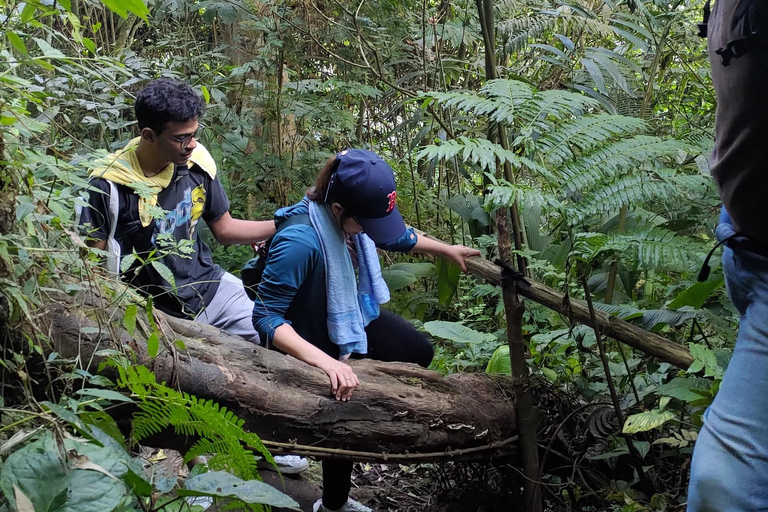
pixel 113 247
pixel 253 270
pixel 705 20
pixel 302 218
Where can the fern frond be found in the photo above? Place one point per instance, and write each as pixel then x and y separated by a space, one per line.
pixel 625 192
pixel 549 108
pixel 609 161
pixel 505 195
pixel 464 101
pixel 479 151
pixel 657 249
pixel 585 134
pixel 518 103
pixel 588 23
pixel 219 430
pixel 693 185
pixel 517 32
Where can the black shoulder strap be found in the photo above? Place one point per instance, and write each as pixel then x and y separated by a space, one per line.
pixel 737 47
pixel 302 218
pixel 705 21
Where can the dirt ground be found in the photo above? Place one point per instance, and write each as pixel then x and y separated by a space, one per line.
pixel 418 488
pixel 446 487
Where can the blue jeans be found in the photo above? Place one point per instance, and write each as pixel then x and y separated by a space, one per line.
pixel 729 471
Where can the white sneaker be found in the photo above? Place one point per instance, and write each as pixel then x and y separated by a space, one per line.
pixel 286 464
pixel 350 506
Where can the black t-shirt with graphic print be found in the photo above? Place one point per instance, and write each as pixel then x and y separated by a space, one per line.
pixel 191 195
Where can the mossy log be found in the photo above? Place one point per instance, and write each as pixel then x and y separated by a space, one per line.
pixel 399 412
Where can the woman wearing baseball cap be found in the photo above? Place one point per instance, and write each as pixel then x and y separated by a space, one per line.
pixel 312 305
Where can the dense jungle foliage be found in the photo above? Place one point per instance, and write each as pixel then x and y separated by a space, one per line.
pixel 607 110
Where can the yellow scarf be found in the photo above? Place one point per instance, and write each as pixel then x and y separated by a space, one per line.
pixel 123 168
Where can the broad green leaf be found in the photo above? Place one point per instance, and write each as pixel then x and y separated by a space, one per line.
pixel 500 362
pixel 138 484
pixel 704 359
pixel 398 279
pixel 549 373
pixel 126 262
pixel 696 294
pixel 106 394
pixel 65 414
pixel 682 388
pixel 123 7
pixel 19 300
pixel 646 421
pixel 149 308
pixel 99 422
pixel 38 472
pixel 456 332
pixel 220 483
pixel 90 44
pixel 16 42
pixel 23 209
pixel 129 319
pixel 48 50
pixel 153 344
pixel 420 270
pixel 447 280
pixel 28 11
pixel 164 272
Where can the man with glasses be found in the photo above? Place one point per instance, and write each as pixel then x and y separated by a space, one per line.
pixel 144 205
pixel 163 182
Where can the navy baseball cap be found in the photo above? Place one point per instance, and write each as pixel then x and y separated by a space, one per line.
pixel 364 184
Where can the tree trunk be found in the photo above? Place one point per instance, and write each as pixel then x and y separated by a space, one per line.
pixel 399 412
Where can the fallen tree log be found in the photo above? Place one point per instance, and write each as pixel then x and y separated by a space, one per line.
pixel 400 411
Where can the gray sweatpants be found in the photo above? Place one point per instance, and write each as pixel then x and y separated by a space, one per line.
pixel 231 309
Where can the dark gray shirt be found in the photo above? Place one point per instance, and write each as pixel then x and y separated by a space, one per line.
pixel 740 159
pixel 192 195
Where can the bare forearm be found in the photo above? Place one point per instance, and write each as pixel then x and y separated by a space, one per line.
pixel 236 231
pixel 342 376
pixel 455 253
pixel 430 246
pixel 289 341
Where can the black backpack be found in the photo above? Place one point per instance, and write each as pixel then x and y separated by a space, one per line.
pixel 253 270
pixel 755 40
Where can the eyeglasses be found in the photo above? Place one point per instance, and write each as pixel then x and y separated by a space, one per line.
pixel 187 139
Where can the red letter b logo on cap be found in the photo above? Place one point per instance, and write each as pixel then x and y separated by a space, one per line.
pixel 392 196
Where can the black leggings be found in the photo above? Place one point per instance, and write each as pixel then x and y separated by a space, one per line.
pixel 390 338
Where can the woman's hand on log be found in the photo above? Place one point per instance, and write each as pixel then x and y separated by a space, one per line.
pixel 455 253
pixel 459 253
pixel 343 379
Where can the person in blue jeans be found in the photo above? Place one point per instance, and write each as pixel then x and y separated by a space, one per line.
pixel 312 305
pixel 729 470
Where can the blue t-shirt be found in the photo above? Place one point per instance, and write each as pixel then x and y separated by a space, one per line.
pixel 292 288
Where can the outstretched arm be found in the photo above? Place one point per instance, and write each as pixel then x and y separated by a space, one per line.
pixel 229 230
pixel 455 253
